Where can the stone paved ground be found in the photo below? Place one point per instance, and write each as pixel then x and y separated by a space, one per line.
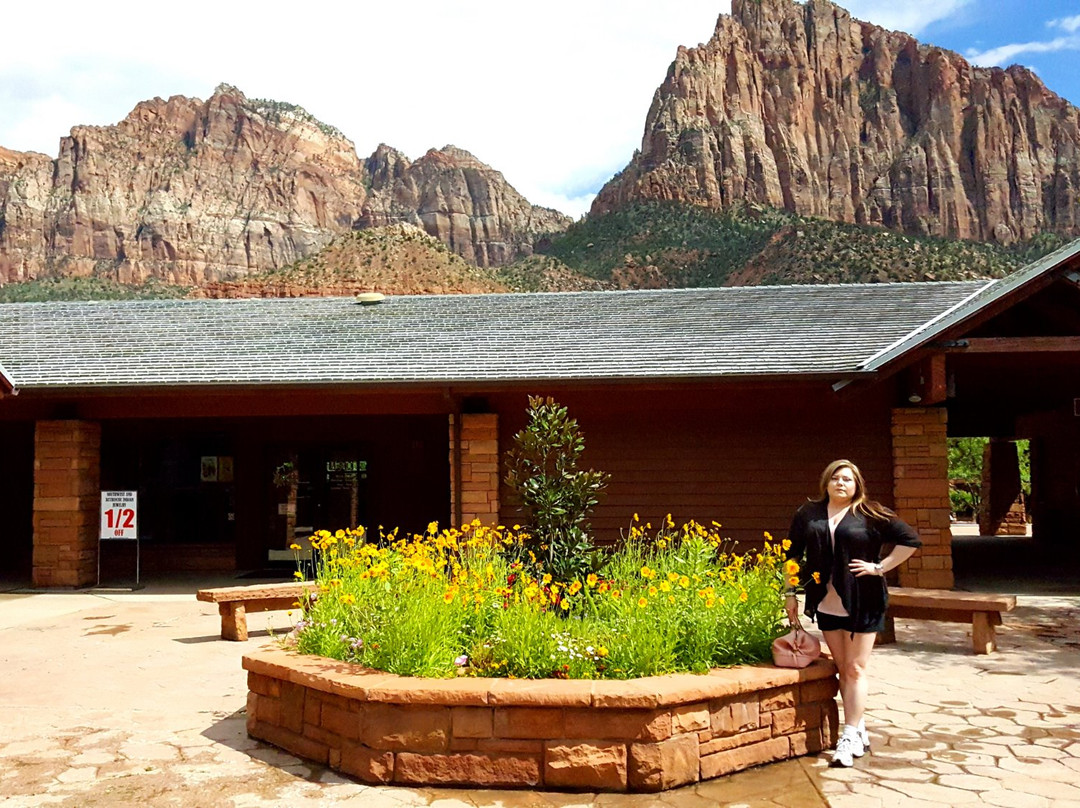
pixel 129 699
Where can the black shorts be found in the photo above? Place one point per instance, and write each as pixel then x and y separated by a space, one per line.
pixel 832 622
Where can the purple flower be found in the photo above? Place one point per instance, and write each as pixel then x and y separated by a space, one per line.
pixel 462 661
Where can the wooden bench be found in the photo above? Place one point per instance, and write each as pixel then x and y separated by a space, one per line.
pixel 234 602
pixel 945 606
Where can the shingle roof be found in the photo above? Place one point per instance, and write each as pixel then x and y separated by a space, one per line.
pixel 669 334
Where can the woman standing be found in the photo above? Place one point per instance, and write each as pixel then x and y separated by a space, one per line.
pixel 838 540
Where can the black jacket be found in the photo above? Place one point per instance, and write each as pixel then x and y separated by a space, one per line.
pixel 857 537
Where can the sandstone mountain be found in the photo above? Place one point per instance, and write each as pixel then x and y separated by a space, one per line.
pixel 801 107
pixel 192 192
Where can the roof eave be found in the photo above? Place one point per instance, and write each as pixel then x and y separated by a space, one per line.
pixel 7 384
pixel 413 384
pixel 965 310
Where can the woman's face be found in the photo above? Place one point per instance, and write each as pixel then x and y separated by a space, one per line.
pixel 842 485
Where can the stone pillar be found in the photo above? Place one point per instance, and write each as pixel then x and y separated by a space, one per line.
pixel 1000 484
pixel 921 493
pixel 67 497
pixel 474 468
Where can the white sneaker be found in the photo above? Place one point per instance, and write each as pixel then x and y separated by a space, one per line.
pixel 864 737
pixel 849 748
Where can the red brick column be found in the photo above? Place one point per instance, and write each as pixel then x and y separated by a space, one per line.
pixel 921 493
pixel 474 468
pixel 67 497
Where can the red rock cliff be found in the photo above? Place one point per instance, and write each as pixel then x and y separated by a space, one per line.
pixel 804 108
pixel 194 192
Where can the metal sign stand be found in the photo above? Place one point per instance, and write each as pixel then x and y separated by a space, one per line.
pixel 119 522
pixel 137 560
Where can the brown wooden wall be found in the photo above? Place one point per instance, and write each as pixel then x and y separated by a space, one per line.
pixel 743 457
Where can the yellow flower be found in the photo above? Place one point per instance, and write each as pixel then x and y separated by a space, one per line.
pixel 793 581
pixel 592 579
pixel 709 603
pixel 673 576
pixel 642 603
pixel 652 591
pixel 546 579
pixel 448 595
pixel 575 587
pixel 564 604
pixel 347 599
pixel 786 544
pixel 743 596
pixel 298 575
pixel 817 577
pixel 647 573
pixel 670 598
pixel 791 567
pixel 665 586
pixel 294 546
pixel 684 582
pixel 601 651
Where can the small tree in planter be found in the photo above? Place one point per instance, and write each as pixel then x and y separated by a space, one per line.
pixel 556 497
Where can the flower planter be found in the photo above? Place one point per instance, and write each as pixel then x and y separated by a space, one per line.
pixel 646 734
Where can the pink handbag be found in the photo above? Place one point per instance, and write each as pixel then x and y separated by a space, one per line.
pixel 796 649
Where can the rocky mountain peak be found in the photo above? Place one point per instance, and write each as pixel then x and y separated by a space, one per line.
pixel 192 192
pixel 804 108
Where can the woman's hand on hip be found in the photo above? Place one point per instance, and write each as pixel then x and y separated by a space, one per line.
pixel 860 568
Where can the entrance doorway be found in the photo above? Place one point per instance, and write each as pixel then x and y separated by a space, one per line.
pixel 16 504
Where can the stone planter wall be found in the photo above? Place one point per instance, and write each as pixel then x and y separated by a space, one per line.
pixel 640 735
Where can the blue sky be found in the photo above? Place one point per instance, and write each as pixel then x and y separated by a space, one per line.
pixel 554 95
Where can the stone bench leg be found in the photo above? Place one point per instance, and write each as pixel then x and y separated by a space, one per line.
pixel 233 621
pixel 888 634
pixel 983 639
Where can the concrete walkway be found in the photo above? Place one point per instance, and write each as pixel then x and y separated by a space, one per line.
pixel 122 699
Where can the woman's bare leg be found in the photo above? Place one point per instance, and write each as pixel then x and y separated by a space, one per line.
pixel 852 657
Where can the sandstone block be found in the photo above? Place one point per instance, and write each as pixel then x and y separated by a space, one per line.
pixel 690 718
pixel 400 727
pixel 731 741
pixel 652 725
pixel 471 722
pixel 663 765
pixel 743 757
pixel 481 770
pixel 369 765
pixel 778 699
pixel 598 765
pixel 528 722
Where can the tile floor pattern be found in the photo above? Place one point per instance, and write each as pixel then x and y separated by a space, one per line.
pixel 129 699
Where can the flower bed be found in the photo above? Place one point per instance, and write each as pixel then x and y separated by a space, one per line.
pixel 475 600
pixel 647 734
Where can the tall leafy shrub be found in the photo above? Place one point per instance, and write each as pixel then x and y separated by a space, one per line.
pixel 556 497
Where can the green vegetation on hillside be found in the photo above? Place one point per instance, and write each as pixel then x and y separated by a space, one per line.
pixel 694 246
pixel 56 289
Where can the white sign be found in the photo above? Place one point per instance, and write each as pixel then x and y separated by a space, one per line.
pixel 119 515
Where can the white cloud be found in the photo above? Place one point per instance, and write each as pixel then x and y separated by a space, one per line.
pixel 1070 24
pixel 912 16
pixel 1004 55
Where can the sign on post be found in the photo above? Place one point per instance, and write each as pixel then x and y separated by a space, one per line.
pixel 119 515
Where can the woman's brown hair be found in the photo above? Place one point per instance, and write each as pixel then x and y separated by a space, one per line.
pixel 859 502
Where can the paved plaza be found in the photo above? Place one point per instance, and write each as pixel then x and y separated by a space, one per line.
pixel 130 699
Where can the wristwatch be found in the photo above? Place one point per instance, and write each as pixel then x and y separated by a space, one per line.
pixel 880 570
